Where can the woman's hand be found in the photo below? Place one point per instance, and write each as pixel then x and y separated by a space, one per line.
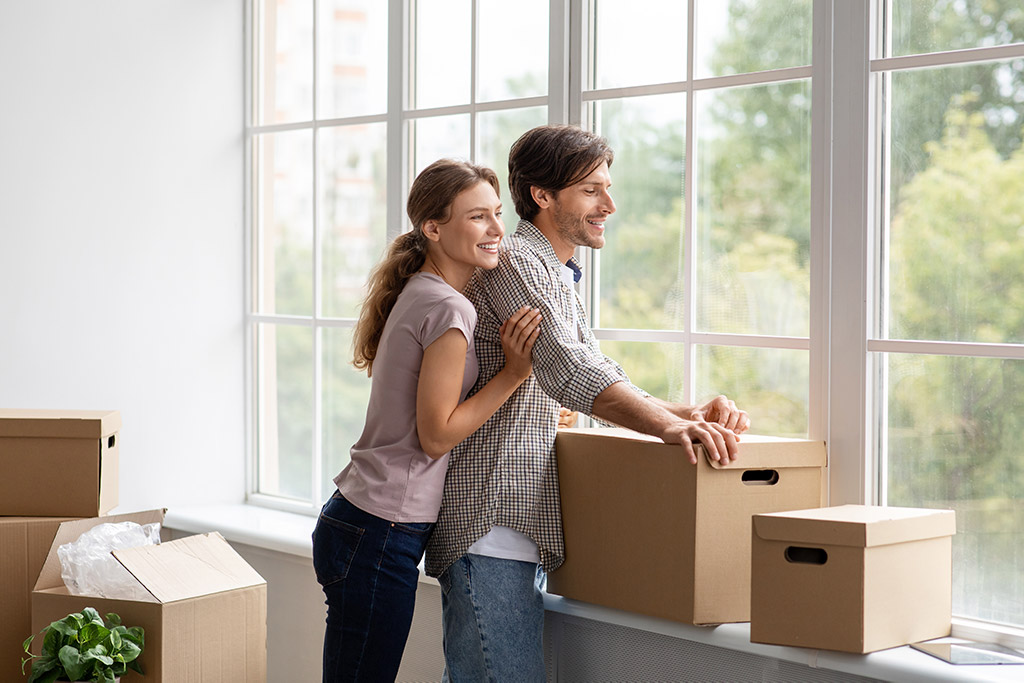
pixel 518 334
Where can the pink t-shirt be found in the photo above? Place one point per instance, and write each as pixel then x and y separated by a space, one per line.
pixel 390 476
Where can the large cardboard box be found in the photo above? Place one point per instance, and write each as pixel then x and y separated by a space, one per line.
pixel 853 578
pixel 646 531
pixel 24 543
pixel 206 618
pixel 58 463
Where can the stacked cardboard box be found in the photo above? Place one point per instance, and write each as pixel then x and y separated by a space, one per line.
pixel 205 613
pixel 57 465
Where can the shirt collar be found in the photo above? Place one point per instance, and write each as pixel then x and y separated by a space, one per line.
pixel 529 232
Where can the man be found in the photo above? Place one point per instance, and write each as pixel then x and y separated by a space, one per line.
pixel 499 528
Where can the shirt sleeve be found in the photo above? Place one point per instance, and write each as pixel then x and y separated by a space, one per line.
pixel 568 369
pixel 452 311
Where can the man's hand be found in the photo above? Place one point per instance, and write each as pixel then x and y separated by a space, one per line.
pixel 721 410
pixel 718 441
pixel 567 418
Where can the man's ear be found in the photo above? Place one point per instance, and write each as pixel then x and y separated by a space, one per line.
pixel 542 197
pixel 431 230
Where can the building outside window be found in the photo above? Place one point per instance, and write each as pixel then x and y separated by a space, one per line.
pixel 821 214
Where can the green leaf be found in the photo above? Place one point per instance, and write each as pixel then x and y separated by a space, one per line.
pixel 114 619
pixel 98 653
pixel 71 658
pixel 90 614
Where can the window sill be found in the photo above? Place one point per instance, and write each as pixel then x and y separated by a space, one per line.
pixel 289 533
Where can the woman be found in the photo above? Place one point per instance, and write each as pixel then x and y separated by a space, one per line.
pixel 414 337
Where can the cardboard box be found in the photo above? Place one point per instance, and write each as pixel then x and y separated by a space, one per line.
pixel 853 578
pixel 647 532
pixel 206 620
pixel 58 463
pixel 24 543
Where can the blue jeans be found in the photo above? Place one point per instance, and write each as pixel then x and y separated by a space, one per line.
pixel 493 620
pixel 367 567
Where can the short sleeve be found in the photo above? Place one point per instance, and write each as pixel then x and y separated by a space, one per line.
pixel 452 311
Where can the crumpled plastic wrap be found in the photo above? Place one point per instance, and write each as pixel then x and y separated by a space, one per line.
pixel 88 568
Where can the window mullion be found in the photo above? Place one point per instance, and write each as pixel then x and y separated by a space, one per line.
pixel 851 462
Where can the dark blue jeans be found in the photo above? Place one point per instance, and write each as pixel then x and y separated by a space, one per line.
pixel 367 567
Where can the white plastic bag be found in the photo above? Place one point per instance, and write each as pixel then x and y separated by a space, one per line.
pixel 88 568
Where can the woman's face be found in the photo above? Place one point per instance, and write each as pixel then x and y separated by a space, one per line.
pixel 474 229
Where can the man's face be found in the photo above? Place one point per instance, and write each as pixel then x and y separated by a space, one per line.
pixel 579 211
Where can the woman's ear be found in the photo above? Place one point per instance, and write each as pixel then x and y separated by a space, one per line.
pixel 542 197
pixel 432 230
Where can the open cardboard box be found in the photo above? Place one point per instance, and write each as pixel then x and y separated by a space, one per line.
pixel 853 578
pixel 24 543
pixel 58 463
pixel 205 619
pixel 647 532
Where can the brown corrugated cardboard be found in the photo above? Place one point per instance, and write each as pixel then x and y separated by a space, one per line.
pixel 58 463
pixel 646 531
pixel 852 578
pixel 24 543
pixel 206 618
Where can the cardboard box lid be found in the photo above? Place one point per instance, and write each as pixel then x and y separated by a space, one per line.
pixel 756 451
pixel 855 525
pixel 189 567
pixel 67 532
pixel 75 424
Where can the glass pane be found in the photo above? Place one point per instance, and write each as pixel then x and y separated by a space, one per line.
pixel 438 137
pixel 770 384
pixel 442 53
pixel 641 265
pixel 929 26
pixel 956 246
pixel 657 368
pixel 353 220
pixel 635 47
pixel 742 36
pixel 284 173
pixel 954 429
pixel 284 62
pixel 285 377
pixel 353 61
pixel 512 28
pixel 753 209
pixel 345 395
pixel 497 130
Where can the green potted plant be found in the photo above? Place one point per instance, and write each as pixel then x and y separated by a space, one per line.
pixel 84 647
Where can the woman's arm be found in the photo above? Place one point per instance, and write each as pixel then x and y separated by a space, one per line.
pixel 441 421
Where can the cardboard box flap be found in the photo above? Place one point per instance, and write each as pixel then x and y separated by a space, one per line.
pixel 855 525
pixel 77 424
pixel 67 532
pixel 753 454
pixel 189 567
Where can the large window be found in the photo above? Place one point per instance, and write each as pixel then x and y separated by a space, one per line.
pixel 948 351
pixel 820 211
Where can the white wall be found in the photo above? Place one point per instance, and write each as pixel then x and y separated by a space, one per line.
pixel 121 231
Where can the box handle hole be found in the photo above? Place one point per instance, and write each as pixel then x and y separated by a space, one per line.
pixel 111 440
pixel 760 477
pixel 800 555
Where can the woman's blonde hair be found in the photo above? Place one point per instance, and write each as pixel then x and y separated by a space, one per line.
pixel 430 198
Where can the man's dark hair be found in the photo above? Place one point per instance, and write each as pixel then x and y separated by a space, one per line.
pixel 552 158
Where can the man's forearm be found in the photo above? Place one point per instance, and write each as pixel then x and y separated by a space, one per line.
pixel 621 405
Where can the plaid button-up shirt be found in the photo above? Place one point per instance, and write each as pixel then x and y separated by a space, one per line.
pixel 505 473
